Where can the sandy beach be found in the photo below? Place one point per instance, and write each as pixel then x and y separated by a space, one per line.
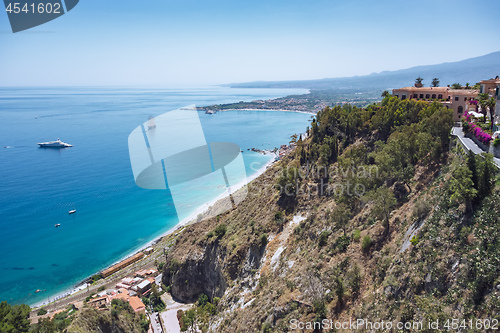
pixel 279 110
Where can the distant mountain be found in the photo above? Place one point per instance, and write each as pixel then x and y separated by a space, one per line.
pixel 470 70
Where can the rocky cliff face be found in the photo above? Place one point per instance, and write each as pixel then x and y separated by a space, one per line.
pixel 209 270
pixel 200 273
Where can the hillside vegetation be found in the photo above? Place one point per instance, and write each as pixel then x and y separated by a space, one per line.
pixel 372 217
pixel 119 318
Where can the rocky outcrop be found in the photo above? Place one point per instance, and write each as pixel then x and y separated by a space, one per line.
pixel 199 273
pixel 253 260
pixel 208 271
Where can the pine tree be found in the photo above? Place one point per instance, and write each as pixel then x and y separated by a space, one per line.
pixel 471 163
pixel 486 177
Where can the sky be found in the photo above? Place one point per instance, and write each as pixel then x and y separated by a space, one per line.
pixel 191 42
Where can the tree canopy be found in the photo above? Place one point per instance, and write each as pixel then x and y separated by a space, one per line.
pixel 14 318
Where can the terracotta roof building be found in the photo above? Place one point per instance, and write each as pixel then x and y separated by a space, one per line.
pixel 136 304
pixel 492 88
pixel 455 99
pixel 123 294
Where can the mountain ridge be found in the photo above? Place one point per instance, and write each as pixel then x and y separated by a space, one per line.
pixel 469 70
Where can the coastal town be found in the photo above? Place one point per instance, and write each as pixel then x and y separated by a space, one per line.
pixel 312 102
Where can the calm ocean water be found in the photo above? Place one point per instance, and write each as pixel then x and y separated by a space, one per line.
pixel 114 217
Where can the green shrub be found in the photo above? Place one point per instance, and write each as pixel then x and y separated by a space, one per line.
pixel 263 239
pixel 266 327
pixel 421 209
pixel 174 266
pixel 355 278
pixel 356 235
pixel 210 234
pixel 144 325
pixel 279 216
pixel 496 142
pixel 323 238
pixel 464 233
pixel 290 284
pixel 96 277
pixel 465 126
pixel 101 288
pixel 342 243
pixel 42 312
pixel 220 230
pixel 202 300
pixel 414 240
pixel 120 305
pixel 366 243
pixel 484 126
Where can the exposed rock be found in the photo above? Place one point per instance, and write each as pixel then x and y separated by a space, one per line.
pixel 252 260
pixel 209 272
pixel 198 274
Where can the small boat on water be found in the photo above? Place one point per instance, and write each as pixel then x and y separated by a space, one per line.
pixel 57 225
pixel 72 211
pixel 54 144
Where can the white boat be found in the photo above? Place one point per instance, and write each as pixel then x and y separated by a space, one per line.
pixel 57 225
pixel 72 211
pixel 54 144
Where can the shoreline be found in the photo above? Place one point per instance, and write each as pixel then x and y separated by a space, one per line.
pixel 190 219
pixel 278 110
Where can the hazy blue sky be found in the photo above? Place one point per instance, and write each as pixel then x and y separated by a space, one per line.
pixel 164 42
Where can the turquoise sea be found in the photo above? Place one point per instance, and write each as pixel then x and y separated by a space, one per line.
pixel 114 217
